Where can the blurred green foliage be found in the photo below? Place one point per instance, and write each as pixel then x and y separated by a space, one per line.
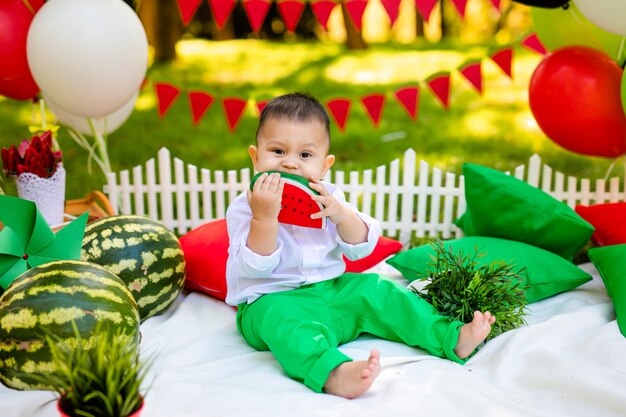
pixel 495 129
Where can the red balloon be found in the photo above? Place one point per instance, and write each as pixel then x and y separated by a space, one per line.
pixel 16 16
pixel 575 96
pixel 19 88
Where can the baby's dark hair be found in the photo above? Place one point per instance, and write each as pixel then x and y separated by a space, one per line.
pixel 298 106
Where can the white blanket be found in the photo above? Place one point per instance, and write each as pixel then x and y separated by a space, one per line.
pixel 570 360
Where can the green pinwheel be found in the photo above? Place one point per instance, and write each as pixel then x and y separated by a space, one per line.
pixel 26 241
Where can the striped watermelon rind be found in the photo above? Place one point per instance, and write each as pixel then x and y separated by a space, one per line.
pixel 291 216
pixel 48 298
pixel 144 253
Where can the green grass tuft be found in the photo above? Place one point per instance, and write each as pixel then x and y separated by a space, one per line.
pixel 99 376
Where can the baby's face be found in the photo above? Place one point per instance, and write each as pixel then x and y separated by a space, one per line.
pixel 294 147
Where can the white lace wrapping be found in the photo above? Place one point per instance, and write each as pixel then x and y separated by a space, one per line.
pixel 47 193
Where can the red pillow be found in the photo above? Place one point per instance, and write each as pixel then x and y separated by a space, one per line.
pixel 609 219
pixel 384 248
pixel 206 252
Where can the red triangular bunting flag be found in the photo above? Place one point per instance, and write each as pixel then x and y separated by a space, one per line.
pixel 504 59
pixel 221 10
pixel 373 104
pixel 392 7
pixel 460 6
pixel 187 9
pixel 533 43
pixel 472 71
pixel 233 108
pixel 260 105
pixel 291 11
pixel 256 10
pixel 200 103
pixel 321 10
pixel 439 85
pixel 339 109
pixel 425 7
pixel 496 4
pixel 166 95
pixel 408 97
pixel 356 8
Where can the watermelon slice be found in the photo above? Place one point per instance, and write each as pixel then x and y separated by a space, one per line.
pixel 297 204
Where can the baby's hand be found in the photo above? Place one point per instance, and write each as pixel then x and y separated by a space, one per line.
pixel 333 209
pixel 266 196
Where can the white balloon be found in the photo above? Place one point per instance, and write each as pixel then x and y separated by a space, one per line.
pixel 607 14
pixel 88 56
pixel 102 125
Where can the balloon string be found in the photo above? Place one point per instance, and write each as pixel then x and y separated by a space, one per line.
pixel 589 32
pixel 42 110
pixel 612 166
pixel 44 123
pixel 80 139
pixel 100 142
pixel 28 6
pixel 621 51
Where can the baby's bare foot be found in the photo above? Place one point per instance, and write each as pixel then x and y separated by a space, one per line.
pixel 474 333
pixel 351 379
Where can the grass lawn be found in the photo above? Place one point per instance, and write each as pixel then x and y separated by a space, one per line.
pixel 495 129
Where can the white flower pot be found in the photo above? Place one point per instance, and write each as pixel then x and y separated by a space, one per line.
pixel 47 193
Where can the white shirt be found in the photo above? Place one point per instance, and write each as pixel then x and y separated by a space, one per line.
pixel 303 255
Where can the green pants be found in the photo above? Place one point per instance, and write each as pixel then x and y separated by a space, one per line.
pixel 304 327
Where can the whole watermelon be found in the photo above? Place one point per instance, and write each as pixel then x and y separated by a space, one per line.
pixel 47 300
pixel 146 255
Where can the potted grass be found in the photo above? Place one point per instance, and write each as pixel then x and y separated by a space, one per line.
pixel 99 376
pixel 458 284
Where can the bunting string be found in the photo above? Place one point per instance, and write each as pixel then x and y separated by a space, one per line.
pixel 408 96
pixel 291 10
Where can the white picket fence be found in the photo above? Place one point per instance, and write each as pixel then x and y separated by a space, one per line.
pixel 415 200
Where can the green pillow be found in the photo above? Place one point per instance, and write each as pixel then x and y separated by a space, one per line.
pixel 547 274
pixel 610 261
pixel 499 205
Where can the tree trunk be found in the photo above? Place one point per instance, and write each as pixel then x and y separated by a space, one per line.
pixel 163 25
pixel 419 24
pixel 227 32
pixel 502 21
pixel 444 25
pixel 354 37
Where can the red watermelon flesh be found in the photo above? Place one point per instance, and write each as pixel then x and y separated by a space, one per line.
pixel 297 204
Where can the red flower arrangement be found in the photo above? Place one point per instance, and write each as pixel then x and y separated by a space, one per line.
pixel 35 156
